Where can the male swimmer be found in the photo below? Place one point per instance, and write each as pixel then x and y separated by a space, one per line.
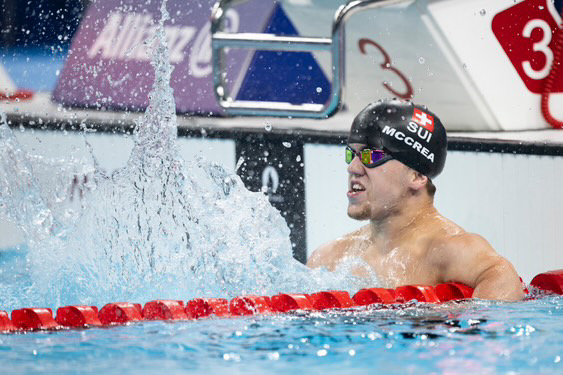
pixel 394 151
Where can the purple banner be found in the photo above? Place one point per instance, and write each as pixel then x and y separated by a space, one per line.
pixel 108 65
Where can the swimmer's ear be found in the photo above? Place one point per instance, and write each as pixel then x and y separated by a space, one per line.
pixel 418 181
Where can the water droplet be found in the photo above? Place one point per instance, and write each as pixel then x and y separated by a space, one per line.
pixel 482 12
pixel 464 66
pixel 540 7
pixel 322 353
pixel 239 163
pixel 286 144
pixel 319 90
pixel 421 60
pixel 267 126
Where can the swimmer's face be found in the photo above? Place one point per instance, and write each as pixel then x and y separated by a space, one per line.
pixel 374 193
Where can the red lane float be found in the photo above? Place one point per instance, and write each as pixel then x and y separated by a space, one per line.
pixel 5 322
pixel 78 316
pixel 551 281
pixel 416 292
pixel 449 292
pixel 164 310
pixel 373 295
pixel 124 312
pixel 120 313
pixel 331 299
pixel 205 307
pixel 289 302
pixel 34 318
pixel 250 305
pixel 465 290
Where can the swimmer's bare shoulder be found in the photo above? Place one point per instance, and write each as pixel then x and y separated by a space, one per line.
pixel 469 259
pixel 330 254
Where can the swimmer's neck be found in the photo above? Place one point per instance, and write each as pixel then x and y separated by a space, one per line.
pixel 401 224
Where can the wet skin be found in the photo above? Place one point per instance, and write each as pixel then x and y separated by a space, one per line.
pixel 407 241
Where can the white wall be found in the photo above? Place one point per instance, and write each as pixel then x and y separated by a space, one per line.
pixel 515 201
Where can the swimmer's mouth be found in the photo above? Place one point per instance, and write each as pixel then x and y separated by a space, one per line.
pixel 356 187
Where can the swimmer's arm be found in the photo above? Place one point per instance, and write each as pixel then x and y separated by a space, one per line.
pixel 470 259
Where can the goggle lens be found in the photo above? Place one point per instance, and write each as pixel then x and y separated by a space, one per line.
pixel 349 155
pixel 369 157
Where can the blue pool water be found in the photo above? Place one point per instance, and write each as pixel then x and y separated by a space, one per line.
pixel 476 337
pixel 471 337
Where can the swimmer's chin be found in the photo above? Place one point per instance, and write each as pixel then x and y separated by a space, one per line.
pixel 358 214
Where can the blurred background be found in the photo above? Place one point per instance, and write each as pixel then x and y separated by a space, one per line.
pixel 35 37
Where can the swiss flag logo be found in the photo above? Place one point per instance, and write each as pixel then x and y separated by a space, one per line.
pixel 423 119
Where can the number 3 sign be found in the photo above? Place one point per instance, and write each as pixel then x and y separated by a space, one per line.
pixel 525 32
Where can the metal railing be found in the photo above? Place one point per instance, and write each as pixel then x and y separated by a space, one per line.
pixel 259 41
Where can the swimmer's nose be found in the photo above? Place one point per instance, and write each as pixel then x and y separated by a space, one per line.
pixel 356 167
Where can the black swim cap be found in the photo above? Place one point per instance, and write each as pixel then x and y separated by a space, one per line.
pixel 410 133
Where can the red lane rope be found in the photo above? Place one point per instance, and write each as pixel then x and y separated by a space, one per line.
pixel 29 319
pixel 550 80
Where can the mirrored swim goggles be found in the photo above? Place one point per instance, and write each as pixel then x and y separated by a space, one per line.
pixel 369 157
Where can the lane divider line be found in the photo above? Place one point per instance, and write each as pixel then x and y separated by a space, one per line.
pixel 117 313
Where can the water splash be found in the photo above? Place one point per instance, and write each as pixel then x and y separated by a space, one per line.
pixel 35 198
pixel 158 228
